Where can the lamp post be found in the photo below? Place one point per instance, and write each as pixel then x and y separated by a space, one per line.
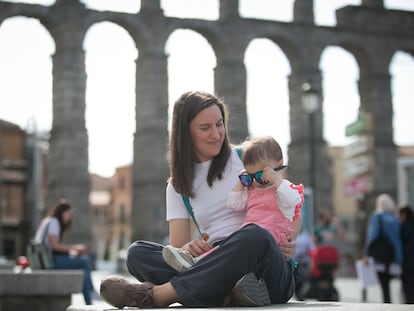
pixel 310 104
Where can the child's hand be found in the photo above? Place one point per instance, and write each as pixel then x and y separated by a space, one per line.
pixel 197 247
pixel 288 249
pixel 239 186
pixel 272 176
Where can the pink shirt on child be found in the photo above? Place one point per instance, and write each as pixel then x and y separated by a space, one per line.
pixel 270 210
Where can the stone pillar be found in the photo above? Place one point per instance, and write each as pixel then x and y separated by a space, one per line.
pixel 230 84
pixel 303 12
pixel 298 151
pixel 229 9
pixel 68 150
pixel 150 5
pixel 377 4
pixel 150 169
pixel 375 92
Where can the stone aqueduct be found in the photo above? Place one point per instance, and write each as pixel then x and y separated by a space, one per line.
pixel 369 32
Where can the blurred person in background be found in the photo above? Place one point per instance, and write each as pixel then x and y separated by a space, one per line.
pixel 328 229
pixel 406 215
pixel 304 247
pixel 385 220
pixel 51 231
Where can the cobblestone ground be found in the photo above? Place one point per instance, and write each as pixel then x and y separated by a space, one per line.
pixel 349 288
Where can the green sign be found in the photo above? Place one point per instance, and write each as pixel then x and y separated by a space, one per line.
pixel 360 126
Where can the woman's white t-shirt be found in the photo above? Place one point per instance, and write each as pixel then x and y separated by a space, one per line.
pixel 49 226
pixel 209 204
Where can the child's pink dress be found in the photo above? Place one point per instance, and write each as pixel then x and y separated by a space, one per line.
pixel 263 209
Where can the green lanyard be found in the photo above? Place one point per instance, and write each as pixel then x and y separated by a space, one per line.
pixel 191 212
pixel 187 203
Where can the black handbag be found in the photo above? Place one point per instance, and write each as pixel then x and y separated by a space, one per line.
pixel 381 248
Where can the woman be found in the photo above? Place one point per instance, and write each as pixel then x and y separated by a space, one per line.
pixel 204 168
pixel 407 237
pixel 328 230
pixel 66 256
pixel 385 220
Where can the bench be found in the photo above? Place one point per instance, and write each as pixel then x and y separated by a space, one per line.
pixel 40 290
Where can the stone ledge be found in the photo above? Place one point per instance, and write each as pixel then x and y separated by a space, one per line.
pixel 6 264
pixel 40 290
pixel 291 306
pixel 41 282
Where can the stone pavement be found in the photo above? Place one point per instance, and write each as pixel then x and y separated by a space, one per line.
pixel 349 290
pixel 291 306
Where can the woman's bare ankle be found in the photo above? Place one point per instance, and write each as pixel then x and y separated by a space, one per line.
pixel 164 295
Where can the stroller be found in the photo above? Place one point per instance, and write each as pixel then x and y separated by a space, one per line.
pixel 320 282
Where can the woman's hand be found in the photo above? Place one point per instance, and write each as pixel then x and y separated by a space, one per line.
pixel 365 260
pixel 197 247
pixel 288 249
pixel 78 249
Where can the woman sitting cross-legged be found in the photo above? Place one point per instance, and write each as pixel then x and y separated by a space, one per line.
pixel 248 269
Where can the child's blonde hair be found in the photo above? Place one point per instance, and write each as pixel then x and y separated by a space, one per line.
pixel 263 148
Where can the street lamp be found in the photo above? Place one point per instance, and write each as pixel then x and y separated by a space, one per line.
pixel 310 104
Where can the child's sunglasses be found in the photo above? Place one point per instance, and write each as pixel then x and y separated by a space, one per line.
pixel 247 179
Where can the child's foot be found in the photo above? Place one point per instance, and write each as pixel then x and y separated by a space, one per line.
pixel 177 258
pixel 248 292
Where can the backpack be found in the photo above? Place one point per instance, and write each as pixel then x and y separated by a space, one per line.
pixel 39 255
pixel 381 248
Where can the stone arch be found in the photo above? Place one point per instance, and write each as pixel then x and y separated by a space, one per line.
pixel 204 59
pixel 339 108
pixel 105 62
pixel 341 89
pixel 24 59
pixel 273 105
pixel 229 59
pixel 35 65
pixel 112 57
pixel 210 32
pixel 365 56
pixel 402 67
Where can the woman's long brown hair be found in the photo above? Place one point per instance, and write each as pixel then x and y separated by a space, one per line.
pixel 181 153
pixel 61 206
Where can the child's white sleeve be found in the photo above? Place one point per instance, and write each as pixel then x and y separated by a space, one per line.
pixel 237 200
pixel 287 199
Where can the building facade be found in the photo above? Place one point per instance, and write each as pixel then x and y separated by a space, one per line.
pixel 122 221
pixel 14 182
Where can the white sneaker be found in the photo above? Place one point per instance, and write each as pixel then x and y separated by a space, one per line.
pixel 178 259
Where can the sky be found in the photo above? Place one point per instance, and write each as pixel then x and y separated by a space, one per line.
pixel 26 78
